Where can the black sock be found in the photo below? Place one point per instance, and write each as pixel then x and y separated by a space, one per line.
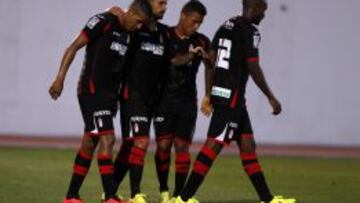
pixel 121 163
pixel 162 161
pixel 253 170
pixel 81 167
pixel 182 166
pixel 136 161
pixel 106 169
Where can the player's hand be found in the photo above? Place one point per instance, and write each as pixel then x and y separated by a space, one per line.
pixel 56 89
pixel 206 107
pixel 276 106
pixel 199 51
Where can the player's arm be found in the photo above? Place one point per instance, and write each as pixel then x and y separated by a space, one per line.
pixel 209 63
pixel 252 40
pixel 182 59
pixel 258 76
pixel 68 57
pixel 94 28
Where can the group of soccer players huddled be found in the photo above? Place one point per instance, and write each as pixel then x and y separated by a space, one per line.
pixel 147 70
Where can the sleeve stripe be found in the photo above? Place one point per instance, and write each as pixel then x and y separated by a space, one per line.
pixel 253 59
pixel 85 34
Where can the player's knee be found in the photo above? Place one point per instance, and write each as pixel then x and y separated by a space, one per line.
pixel 164 145
pixel 142 143
pixel 88 144
pixel 181 146
pixel 248 146
pixel 107 141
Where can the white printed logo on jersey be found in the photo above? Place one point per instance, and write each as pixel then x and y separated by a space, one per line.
pixel 256 39
pixel 155 49
pixel 92 22
pixel 119 48
pixel 221 92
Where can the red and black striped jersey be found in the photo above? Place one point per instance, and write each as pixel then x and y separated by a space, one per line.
pixel 146 66
pixel 105 55
pixel 236 42
pixel 180 84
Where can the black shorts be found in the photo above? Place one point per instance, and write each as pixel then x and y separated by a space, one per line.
pixel 176 121
pixel 98 111
pixel 135 119
pixel 229 124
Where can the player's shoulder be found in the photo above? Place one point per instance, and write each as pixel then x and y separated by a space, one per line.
pixel 163 27
pixel 244 24
pixel 202 38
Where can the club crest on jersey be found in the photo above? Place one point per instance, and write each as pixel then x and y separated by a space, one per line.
pixel 256 39
pixel 155 49
pixel 159 119
pixel 229 25
pixel 119 48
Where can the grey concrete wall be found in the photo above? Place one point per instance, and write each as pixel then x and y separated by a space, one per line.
pixel 309 53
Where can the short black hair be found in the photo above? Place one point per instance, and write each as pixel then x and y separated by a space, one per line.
pixel 143 6
pixel 194 6
pixel 248 3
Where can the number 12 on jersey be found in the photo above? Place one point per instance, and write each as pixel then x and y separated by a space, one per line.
pixel 223 54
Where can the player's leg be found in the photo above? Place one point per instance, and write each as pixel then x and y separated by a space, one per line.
pixel 104 128
pixel 81 165
pixel 121 163
pixel 140 129
pixel 164 131
pixel 185 127
pixel 246 143
pixel 251 165
pixel 85 154
pixel 220 130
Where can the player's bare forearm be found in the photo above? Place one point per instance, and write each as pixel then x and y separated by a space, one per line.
pixel 209 72
pixel 182 59
pixel 68 57
pixel 257 75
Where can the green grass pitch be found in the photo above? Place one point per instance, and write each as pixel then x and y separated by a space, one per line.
pixel 42 176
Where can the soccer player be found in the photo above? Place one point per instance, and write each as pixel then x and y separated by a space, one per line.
pixel 145 70
pixel 106 39
pixel 235 53
pixel 176 115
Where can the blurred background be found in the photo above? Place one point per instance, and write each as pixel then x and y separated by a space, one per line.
pixel 309 53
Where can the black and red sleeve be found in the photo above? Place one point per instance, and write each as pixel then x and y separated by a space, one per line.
pixel 251 43
pixel 96 26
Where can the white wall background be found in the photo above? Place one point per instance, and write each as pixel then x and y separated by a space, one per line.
pixel 310 54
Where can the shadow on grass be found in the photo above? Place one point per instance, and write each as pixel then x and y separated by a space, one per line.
pixel 232 201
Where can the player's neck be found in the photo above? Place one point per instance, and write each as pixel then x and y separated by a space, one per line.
pixel 247 16
pixel 180 32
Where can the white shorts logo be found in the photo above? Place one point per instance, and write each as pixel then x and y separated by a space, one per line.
pixel 139 119
pixel 159 119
